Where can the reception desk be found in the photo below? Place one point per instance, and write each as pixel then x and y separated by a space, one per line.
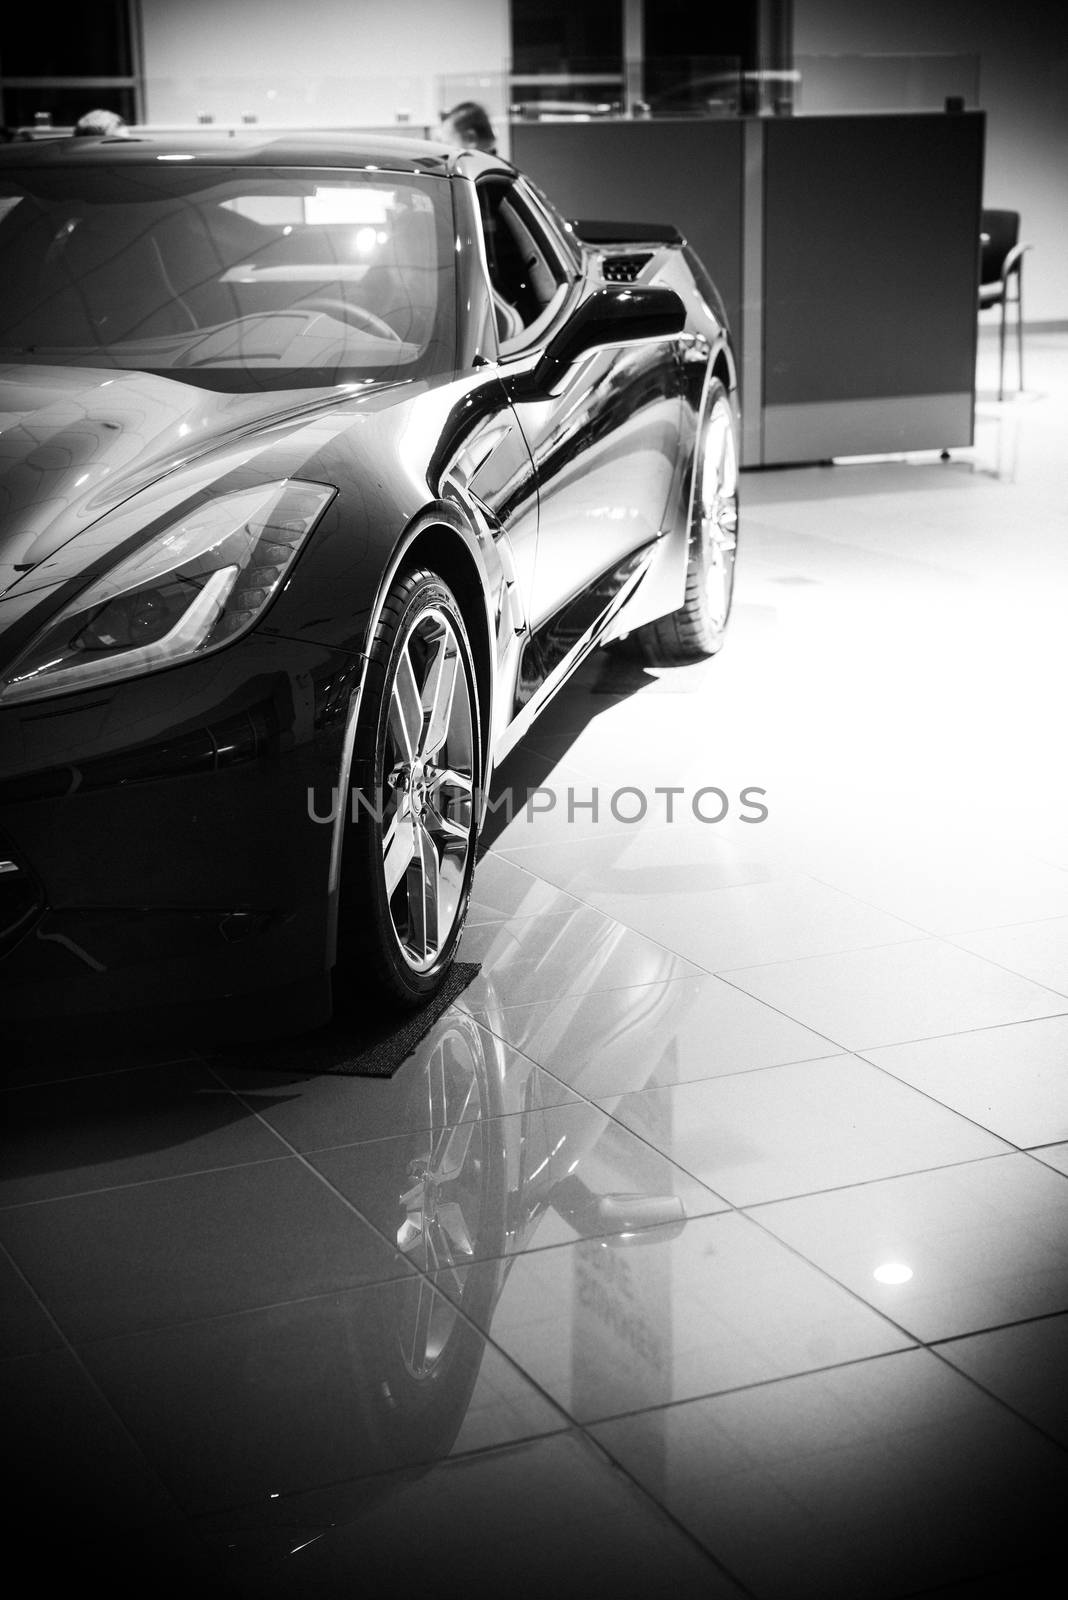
pixel 846 250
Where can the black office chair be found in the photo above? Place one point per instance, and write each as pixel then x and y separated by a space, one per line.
pixel 1001 280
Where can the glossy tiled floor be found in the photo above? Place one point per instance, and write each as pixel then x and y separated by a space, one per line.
pixel 716 1243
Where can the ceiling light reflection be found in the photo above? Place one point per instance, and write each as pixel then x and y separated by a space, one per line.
pixel 892 1272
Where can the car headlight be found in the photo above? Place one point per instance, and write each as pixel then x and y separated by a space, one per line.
pixel 199 585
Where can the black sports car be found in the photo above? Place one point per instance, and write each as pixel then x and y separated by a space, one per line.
pixel 322 467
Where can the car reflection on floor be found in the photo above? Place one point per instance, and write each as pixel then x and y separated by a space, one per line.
pixel 289 1296
pixel 494 1161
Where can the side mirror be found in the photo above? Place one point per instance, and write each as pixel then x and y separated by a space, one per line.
pixel 615 314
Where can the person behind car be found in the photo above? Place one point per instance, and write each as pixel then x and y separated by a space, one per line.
pixel 101 124
pixel 468 125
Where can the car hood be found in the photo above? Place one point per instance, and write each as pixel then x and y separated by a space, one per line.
pixel 77 443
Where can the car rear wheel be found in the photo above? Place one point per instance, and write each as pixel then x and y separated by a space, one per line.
pixel 409 855
pixel 699 626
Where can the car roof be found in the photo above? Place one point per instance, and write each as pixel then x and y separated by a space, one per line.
pixel 354 150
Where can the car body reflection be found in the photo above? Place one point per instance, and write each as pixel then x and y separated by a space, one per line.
pixel 496 1159
pixel 479 1180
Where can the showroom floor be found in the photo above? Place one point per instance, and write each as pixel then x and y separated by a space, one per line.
pixel 714 1243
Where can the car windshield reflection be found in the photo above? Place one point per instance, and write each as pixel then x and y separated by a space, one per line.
pixel 231 279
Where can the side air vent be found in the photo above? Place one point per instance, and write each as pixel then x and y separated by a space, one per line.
pixel 625 269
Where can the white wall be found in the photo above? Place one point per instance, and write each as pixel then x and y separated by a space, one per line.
pixel 1023 87
pixel 321 62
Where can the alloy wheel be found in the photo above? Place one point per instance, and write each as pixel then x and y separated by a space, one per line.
pixel 428 796
pixel 443 1200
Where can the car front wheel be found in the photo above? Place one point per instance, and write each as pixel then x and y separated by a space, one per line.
pixel 409 855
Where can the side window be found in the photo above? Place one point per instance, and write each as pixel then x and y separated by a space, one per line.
pixel 528 278
pixel 565 233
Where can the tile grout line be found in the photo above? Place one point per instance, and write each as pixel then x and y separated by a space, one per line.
pixel 486 1335
pixel 664 1510
pixel 411 1268
pixel 139 1183
pixel 917 1342
pixel 888 1177
pixel 744 1211
pixel 1060 993
pixel 934 1100
pixel 958 1033
pixel 68 1347
pixel 921 934
pixel 593 1104
pixel 853 1049
pixel 190 1059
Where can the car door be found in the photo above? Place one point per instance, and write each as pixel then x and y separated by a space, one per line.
pixel 604 445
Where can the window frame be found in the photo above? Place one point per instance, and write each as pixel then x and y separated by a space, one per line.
pixel 131 81
pixel 561 259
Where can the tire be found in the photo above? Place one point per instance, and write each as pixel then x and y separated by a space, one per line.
pixel 409 856
pixel 698 628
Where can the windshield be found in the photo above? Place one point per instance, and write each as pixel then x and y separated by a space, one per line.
pixel 238 278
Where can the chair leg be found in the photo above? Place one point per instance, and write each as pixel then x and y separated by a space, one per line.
pixel 1019 329
pixel 1001 345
